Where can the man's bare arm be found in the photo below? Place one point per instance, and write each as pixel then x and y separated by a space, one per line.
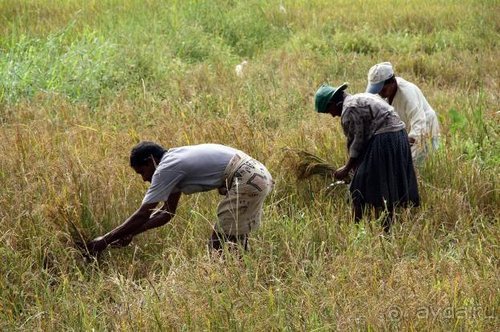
pixel 132 224
pixel 138 222
pixel 162 216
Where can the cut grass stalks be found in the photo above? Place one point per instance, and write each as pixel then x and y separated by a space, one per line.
pixel 307 164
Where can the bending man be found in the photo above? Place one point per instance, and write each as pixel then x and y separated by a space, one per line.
pixel 243 181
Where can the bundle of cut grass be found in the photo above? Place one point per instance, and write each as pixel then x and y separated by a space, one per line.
pixel 306 164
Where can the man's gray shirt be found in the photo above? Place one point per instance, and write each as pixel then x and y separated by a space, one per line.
pixel 189 169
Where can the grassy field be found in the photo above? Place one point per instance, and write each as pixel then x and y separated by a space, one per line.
pixel 82 82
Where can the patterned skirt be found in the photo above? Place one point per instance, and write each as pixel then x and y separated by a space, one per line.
pixel 385 178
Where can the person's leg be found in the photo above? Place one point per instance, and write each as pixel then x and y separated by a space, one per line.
pixel 357 210
pixel 388 217
pixel 240 211
pixel 358 205
pixel 218 240
pixel 215 242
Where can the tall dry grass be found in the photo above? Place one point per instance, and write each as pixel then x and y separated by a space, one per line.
pixel 80 84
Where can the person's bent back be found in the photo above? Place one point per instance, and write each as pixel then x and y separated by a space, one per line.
pixel 243 181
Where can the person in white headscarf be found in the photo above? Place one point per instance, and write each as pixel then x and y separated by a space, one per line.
pixel 409 102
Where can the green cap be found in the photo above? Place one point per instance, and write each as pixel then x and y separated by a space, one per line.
pixel 325 94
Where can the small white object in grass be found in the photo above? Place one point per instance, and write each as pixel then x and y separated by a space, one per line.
pixel 282 8
pixel 239 68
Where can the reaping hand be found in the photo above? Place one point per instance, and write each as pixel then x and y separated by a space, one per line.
pixel 123 242
pixel 97 245
pixel 341 173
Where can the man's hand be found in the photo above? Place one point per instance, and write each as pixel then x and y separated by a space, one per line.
pixel 412 140
pixel 341 173
pixel 123 242
pixel 96 245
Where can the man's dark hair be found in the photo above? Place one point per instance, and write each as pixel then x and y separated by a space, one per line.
pixel 143 151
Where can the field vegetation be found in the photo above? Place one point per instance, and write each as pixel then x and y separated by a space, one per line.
pixel 82 82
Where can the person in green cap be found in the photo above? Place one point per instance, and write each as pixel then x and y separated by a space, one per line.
pixel 379 151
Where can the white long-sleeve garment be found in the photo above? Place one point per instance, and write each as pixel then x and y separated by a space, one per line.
pixel 419 117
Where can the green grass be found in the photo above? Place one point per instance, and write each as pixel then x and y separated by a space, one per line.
pixel 80 84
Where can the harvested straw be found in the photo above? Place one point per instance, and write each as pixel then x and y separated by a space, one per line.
pixel 306 164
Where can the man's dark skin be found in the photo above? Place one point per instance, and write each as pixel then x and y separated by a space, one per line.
pixel 145 218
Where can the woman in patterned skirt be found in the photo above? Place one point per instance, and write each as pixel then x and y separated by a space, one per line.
pixel 379 152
